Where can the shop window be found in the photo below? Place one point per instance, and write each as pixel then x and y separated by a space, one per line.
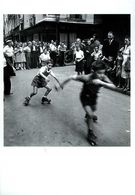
pixel 75 16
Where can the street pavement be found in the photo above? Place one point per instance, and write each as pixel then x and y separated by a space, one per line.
pixel 61 123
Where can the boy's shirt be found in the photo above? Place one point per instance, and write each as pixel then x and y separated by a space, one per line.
pixel 44 70
pixel 9 51
pixel 90 88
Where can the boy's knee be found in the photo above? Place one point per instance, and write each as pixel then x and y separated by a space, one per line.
pixel 35 93
pixel 89 116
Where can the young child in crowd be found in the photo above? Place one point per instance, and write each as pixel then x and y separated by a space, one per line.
pixel 97 54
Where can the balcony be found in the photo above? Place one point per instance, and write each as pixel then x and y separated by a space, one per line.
pixel 76 18
pixel 51 17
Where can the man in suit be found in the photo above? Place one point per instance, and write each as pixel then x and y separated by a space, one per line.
pixel 110 46
pixel 110 51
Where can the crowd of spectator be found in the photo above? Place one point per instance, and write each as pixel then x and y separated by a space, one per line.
pixel 31 54
pixel 34 54
pixel 116 58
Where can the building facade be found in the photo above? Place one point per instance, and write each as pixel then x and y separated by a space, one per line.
pixel 63 27
pixel 45 27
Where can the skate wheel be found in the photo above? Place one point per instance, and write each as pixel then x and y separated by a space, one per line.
pixel 92 143
pixel 49 101
pixel 95 118
pixel 25 104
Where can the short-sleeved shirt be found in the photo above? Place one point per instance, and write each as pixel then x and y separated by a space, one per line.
pixel 9 51
pixel 44 70
pixel 44 57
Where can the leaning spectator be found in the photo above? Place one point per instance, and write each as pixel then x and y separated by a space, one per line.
pixel 9 56
pixel 110 51
pixel 8 66
pixel 88 51
pixel 125 73
pixel 110 46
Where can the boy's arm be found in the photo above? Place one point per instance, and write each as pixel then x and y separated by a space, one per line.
pixel 53 75
pixel 108 85
pixel 81 78
pixel 106 82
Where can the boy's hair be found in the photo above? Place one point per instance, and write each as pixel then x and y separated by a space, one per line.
pixel 98 65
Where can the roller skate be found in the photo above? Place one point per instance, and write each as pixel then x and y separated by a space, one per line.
pixel 45 99
pixel 26 102
pixel 95 118
pixel 91 138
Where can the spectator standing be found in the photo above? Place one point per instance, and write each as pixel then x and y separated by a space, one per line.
pixel 125 72
pixel 34 55
pixel 9 53
pixel 110 46
pixel 18 60
pixel 8 66
pixel 53 52
pixel 23 58
pixel 40 48
pixel 7 81
pixel 88 57
pixel 79 56
pixel 110 51
pixel 95 42
pixel 27 51
pixel 61 51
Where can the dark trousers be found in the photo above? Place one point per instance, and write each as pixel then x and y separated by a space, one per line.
pixel 53 56
pixel 7 81
pixel 34 59
pixel 61 58
pixel 28 61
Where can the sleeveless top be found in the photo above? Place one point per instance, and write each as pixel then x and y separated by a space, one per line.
pixel 90 89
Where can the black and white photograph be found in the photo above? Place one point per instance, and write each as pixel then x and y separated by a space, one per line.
pixel 67 79
pixel 67 97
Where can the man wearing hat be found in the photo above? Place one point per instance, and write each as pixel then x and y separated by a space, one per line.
pixel 9 52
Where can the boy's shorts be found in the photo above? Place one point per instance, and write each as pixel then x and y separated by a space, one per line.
pixel 88 101
pixel 39 82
